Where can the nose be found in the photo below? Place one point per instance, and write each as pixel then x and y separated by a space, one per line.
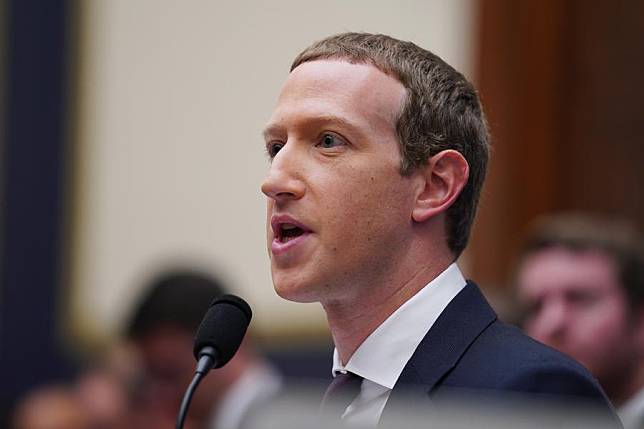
pixel 550 325
pixel 284 180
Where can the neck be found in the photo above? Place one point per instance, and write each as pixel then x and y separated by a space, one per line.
pixel 351 321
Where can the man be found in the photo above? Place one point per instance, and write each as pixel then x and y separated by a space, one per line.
pixel 378 152
pixel 581 280
pixel 162 328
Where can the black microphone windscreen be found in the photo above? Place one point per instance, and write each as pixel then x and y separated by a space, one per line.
pixel 223 327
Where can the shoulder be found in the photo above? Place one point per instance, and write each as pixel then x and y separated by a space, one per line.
pixel 504 358
pixel 468 353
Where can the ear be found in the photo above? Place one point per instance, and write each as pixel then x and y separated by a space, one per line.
pixel 443 178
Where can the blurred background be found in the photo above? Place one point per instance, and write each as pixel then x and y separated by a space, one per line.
pixel 130 144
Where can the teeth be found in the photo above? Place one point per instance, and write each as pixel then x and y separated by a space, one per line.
pixel 288 226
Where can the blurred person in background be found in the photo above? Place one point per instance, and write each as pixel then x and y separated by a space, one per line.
pixel 51 407
pixel 162 328
pixel 581 281
pixel 106 389
pixel 99 397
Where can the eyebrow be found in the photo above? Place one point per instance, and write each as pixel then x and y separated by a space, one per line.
pixel 271 130
pixel 275 128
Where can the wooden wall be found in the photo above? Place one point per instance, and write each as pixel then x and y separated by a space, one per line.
pixel 561 82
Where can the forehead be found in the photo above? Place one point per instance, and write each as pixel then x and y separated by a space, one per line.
pixel 354 92
pixel 557 270
pixel 164 337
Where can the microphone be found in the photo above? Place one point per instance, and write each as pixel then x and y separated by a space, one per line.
pixel 218 338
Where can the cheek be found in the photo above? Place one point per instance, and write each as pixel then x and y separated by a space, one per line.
pixel 367 223
pixel 606 324
pixel 601 340
pixel 373 208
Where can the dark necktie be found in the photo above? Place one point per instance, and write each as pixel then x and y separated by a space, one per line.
pixel 341 392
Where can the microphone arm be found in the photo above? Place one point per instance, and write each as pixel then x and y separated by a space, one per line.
pixel 207 359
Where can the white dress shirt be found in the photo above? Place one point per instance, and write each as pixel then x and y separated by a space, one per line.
pixel 632 412
pixel 256 385
pixel 381 358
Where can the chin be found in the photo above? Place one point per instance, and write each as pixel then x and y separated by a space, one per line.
pixel 296 291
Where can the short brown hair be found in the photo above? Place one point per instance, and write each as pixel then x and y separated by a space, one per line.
pixel 578 232
pixel 442 111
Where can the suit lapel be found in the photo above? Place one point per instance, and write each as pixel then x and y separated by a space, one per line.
pixel 462 321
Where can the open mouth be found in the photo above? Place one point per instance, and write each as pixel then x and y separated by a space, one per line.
pixel 287 232
pixel 287 229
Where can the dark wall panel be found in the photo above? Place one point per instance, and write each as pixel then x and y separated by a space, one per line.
pixel 32 170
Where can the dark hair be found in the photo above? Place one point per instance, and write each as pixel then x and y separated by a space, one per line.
pixel 442 111
pixel 177 298
pixel 618 239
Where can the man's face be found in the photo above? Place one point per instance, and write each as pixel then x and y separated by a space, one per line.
pixel 339 212
pixel 576 305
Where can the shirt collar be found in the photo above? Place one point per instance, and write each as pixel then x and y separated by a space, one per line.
pixel 383 355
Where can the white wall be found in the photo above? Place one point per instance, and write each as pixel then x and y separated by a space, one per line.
pixel 173 97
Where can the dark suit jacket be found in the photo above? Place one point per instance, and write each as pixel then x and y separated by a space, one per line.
pixel 469 353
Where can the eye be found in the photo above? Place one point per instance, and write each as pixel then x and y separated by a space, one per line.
pixel 273 148
pixel 329 141
pixel 582 298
